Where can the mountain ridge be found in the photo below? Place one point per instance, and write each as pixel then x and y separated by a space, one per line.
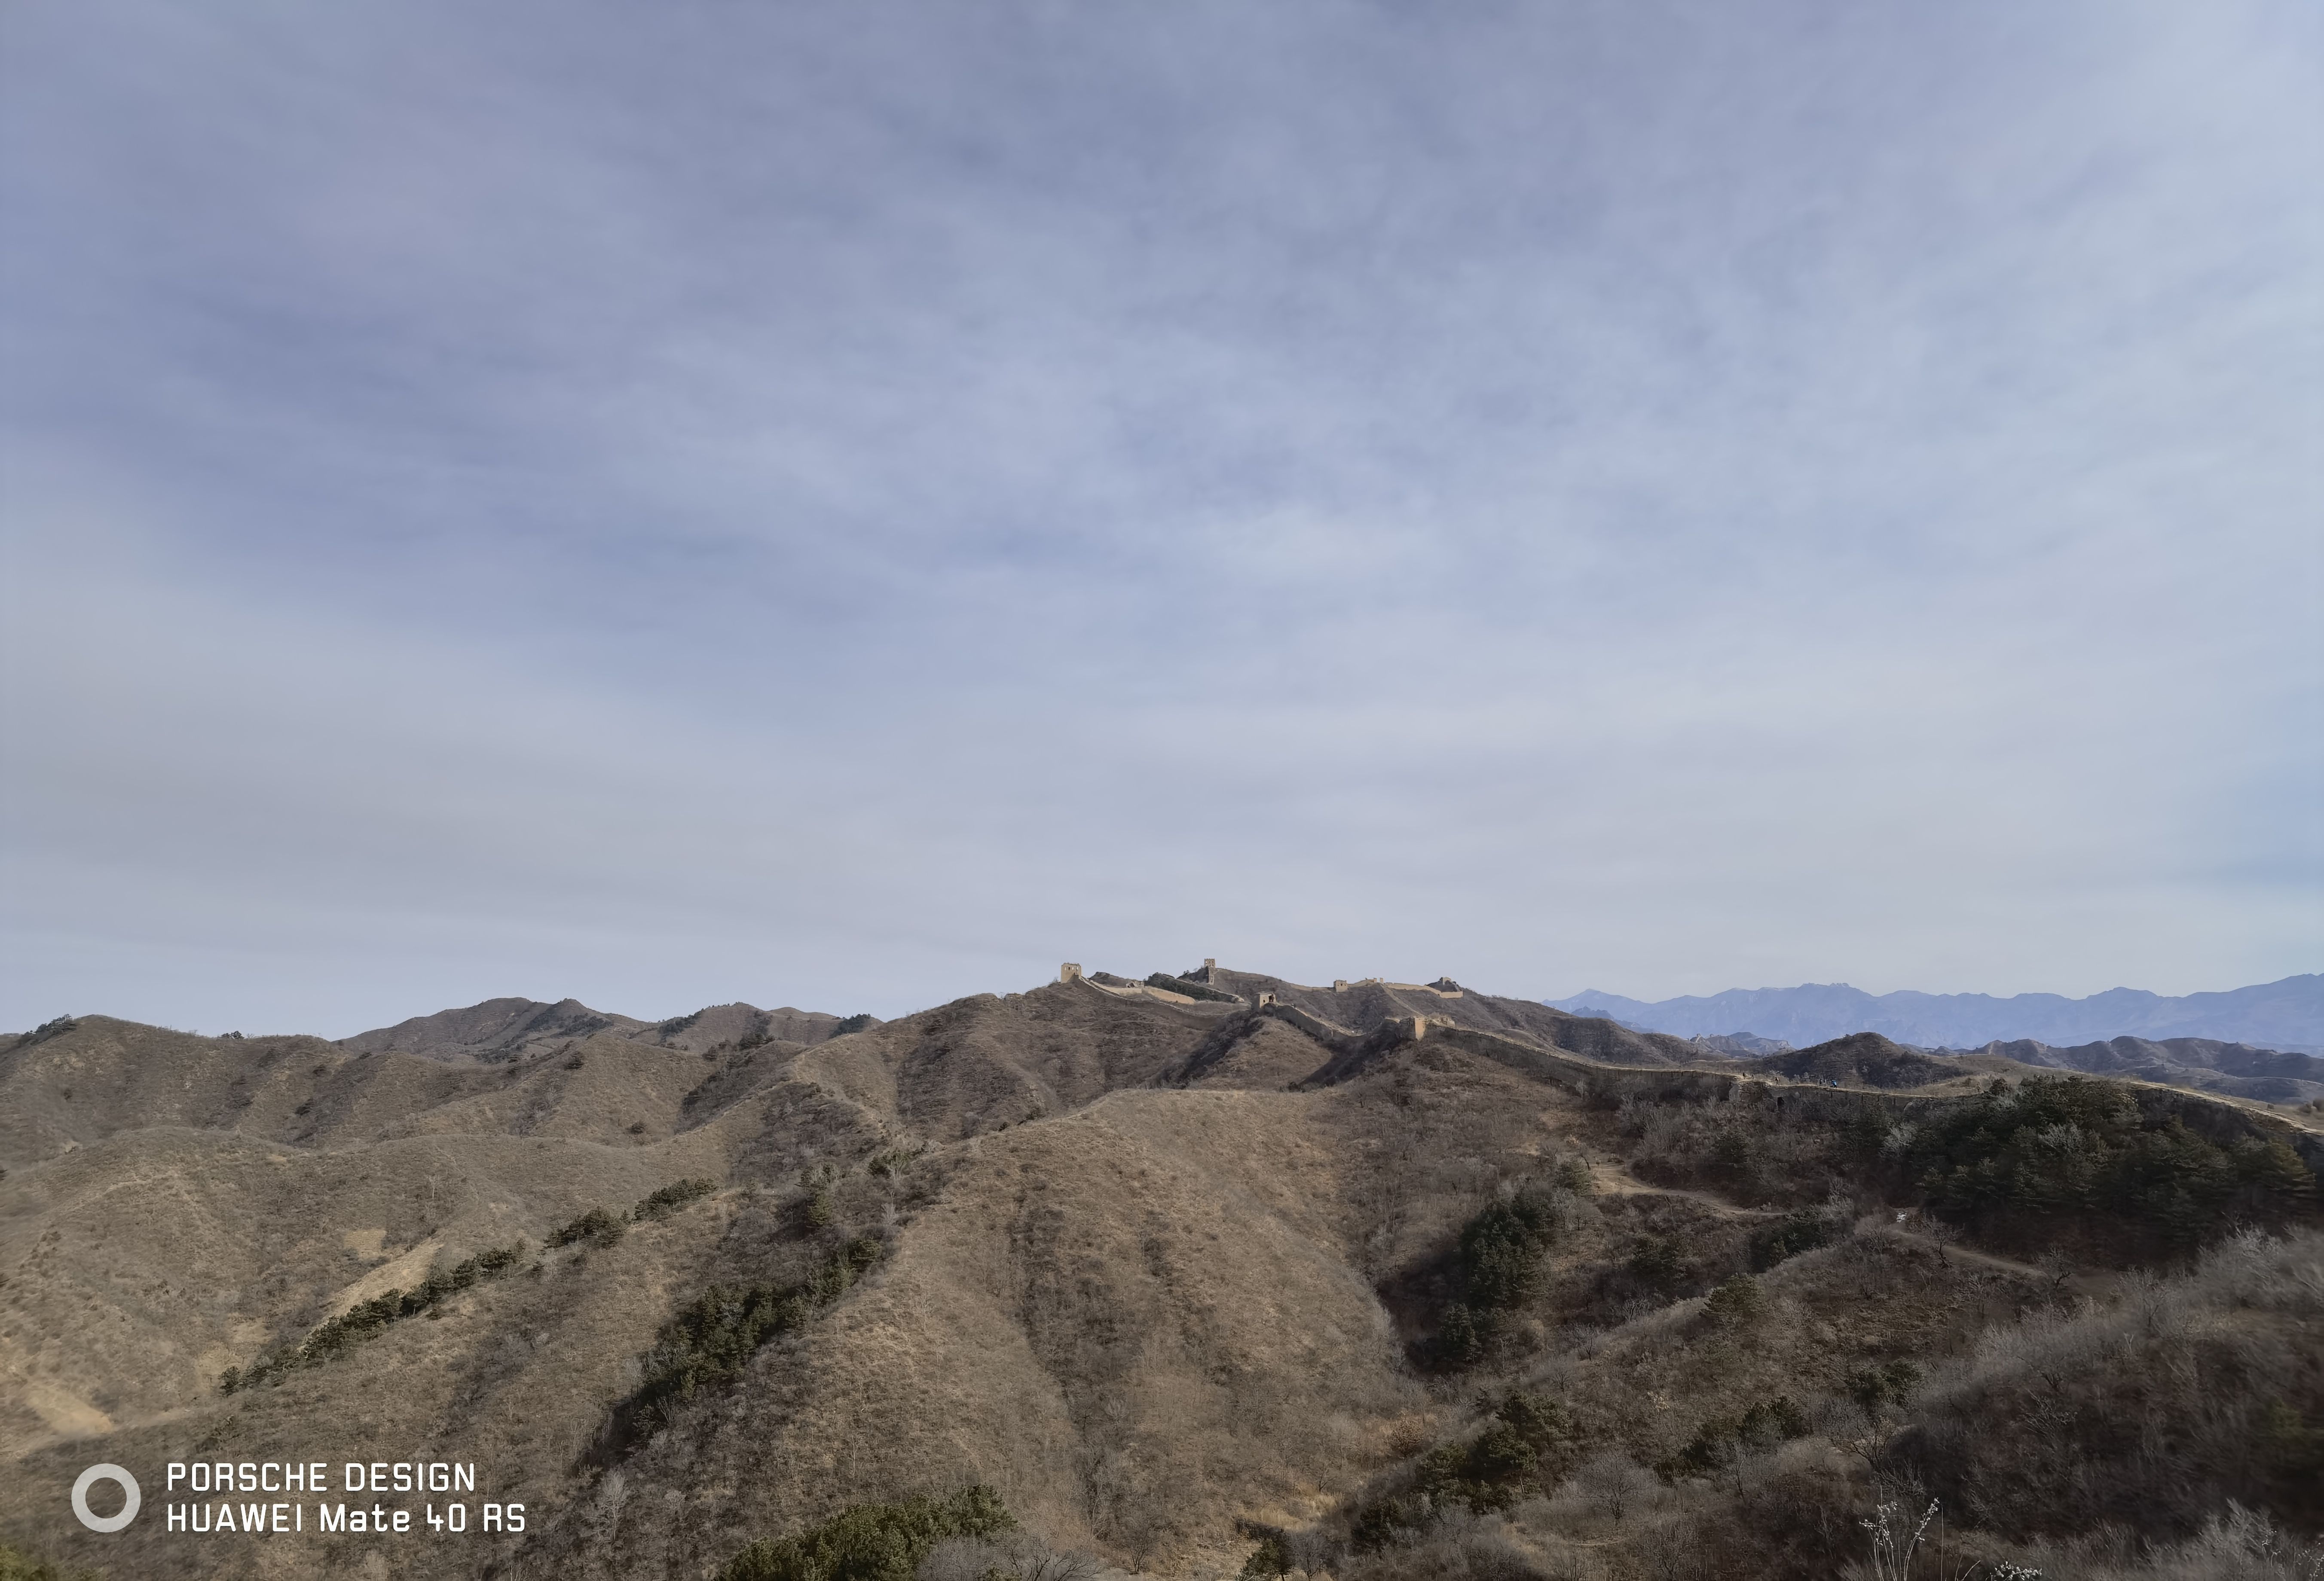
pixel 2285 1015
pixel 1169 1274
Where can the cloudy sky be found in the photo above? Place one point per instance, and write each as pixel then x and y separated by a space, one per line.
pixel 848 505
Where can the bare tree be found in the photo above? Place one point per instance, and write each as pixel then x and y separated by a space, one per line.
pixel 1019 1556
pixel 1670 1552
pixel 1614 1483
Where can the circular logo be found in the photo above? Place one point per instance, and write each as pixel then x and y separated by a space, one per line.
pixel 106 1522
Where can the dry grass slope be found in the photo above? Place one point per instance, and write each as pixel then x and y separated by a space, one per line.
pixel 1175 1280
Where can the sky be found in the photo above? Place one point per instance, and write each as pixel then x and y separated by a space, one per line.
pixel 853 505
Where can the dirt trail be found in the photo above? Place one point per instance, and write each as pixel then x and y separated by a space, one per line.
pixel 1610 1180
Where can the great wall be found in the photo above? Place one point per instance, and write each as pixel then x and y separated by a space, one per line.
pixel 1608 1083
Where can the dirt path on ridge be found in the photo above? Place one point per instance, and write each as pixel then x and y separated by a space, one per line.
pixel 1609 1178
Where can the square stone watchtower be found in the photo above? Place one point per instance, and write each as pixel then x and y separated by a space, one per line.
pixel 1069 972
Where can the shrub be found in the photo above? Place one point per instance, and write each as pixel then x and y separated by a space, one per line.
pixel 1501 1250
pixel 18 1566
pixel 1462 1339
pixel 820 1208
pixel 45 1031
pixel 2072 1145
pixel 1497 1264
pixel 1379 1524
pixel 1802 1231
pixel 1721 1439
pixel 1891 1384
pixel 1656 1262
pixel 596 1227
pixel 364 1318
pixel 1541 1419
pixel 857 1023
pixel 1736 1303
pixel 2292 1450
pixel 2186 1393
pixel 1461 1548
pixel 668 1200
pixel 1731 1152
pixel 1270 1557
pixel 873 1542
pixel 1487 1473
pixel 714 1336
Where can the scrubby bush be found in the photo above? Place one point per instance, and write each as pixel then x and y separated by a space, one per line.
pixel 1657 1262
pixel 1890 1384
pixel 819 1208
pixel 1272 1556
pixel 856 1023
pixel 1530 1440
pixel 873 1542
pixel 1496 1265
pixel 1718 1442
pixel 714 1336
pixel 895 1160
pixel 18 1566
pixel 335 1336
pixel 2150 1415
pixel 45 1031
pixel 364 1318
pixel 596 1227
pixel 1731 1153
pixel 1736 1303
pixel 2072 1146
pixel 1501 1250
pixel 670 1199
pixel 1458 1547
pixel 1802 1231
pixel 2236 1544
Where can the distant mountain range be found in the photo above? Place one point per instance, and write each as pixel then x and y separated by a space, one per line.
pixel 2284 1015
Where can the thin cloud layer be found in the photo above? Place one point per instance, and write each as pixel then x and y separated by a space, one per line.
pixel 849 505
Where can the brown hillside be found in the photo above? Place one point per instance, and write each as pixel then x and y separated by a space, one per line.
pixel 1167 1274
pixel 1862 1058
pixel 496 1029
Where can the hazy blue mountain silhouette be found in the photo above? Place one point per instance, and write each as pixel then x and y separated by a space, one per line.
pixel 2284 1015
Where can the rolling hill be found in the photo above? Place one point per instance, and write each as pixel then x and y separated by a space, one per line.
pixel 1194 1272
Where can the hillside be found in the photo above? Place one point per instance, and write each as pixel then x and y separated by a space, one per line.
pixel 1864 1058
pixel 2285 1015
pixel 1195 1272
pixel 2205 1064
